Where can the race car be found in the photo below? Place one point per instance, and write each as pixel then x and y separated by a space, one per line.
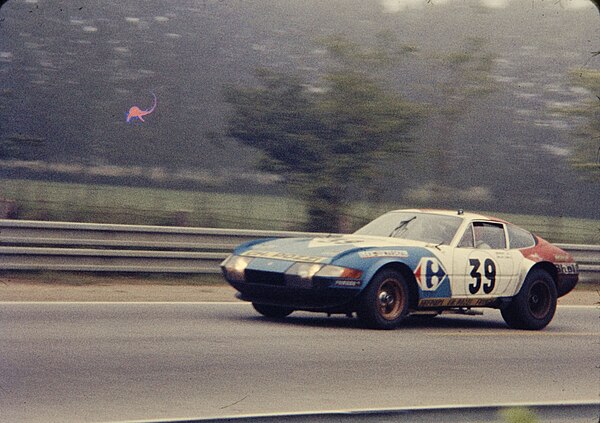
pixel 407 262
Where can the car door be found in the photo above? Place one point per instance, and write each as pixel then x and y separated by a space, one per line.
pixel 482 265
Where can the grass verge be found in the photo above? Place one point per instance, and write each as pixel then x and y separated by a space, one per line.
pixel 61 201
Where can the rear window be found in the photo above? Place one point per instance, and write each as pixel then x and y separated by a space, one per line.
pixel 519 238
pixel 489 235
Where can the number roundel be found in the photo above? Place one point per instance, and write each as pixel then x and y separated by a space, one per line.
pixel 489 272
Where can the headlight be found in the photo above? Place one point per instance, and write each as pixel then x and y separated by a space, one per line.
pixel 339 272
pixel 235 266
pixel 300 275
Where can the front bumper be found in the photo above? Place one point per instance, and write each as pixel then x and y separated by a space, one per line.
pixel 322 296
pixel 299 285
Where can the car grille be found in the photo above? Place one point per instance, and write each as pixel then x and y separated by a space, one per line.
pixel 264 278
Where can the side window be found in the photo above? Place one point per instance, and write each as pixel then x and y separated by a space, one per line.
pixel 467 239
pixel 489 235
pixel 519 238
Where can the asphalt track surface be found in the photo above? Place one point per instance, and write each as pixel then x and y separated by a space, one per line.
pixel 150 361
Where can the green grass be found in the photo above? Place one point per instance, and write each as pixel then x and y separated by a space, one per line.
pixel 39 200
pixel 558 229
pixel 519 415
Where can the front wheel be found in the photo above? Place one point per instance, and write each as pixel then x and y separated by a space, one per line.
pixel 272 311
pixel 384 303
pixel 535 304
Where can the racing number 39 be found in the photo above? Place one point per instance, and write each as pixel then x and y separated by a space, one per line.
pixel 489 271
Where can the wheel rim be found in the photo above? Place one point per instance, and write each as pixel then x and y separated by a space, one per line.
pixel 539 299
pixel 390 299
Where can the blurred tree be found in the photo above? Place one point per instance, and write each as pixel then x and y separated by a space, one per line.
pixel 586 155
pixel 323 139
pixel 465 79
pixel 21 147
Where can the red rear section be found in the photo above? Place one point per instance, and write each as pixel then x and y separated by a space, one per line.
pixel 564 271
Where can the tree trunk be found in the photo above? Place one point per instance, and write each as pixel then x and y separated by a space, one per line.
pixel 324 210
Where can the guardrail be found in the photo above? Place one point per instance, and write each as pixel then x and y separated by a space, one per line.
pixel 66 246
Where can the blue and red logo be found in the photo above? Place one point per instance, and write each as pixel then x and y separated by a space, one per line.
pixel 430 274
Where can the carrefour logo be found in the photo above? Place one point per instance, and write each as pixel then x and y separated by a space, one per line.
pixel 430 274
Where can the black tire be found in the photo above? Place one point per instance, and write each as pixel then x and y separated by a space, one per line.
pixel 384 303
pixel 535 304
pixel 275 312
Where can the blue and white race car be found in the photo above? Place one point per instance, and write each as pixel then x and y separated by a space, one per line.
pixel 407 262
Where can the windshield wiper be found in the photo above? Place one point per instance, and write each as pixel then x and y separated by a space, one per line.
pixel 401 225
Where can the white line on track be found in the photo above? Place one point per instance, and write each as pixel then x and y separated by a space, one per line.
pixel 508 332
pixel 129 302
pixel 597 306
pixel 234 303
pixel 455 407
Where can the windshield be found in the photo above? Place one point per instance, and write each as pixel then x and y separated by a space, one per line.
pixel 426 227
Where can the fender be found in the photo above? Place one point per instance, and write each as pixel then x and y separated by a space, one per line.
pixel 429 275
pixel 244 246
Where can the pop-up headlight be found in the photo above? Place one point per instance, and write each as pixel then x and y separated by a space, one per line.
pixel 300 275
pixel 339 272
pixel 235 266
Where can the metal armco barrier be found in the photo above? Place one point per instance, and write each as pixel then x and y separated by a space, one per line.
pixel 588 258
pixel 65 246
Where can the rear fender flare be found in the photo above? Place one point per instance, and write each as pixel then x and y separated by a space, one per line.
pixel 547 267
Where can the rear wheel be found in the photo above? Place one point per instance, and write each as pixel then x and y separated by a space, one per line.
pixel 534 306
pixel 384 303
pixel 272 311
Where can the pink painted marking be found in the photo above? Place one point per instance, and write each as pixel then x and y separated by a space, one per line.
pixel 136 112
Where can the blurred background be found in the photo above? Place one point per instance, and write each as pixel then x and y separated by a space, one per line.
pixel 315 115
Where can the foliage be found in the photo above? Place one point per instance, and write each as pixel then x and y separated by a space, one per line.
pixel 60 201
pixel 386 51
pixel 468 78
pixel 464 80
pixel 21 147
pixel 326 139
pixel 587 147
pixel 519 415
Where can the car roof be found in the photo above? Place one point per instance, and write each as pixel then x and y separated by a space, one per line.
pixel 464 215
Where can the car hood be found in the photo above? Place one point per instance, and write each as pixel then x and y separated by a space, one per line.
pixel 320 249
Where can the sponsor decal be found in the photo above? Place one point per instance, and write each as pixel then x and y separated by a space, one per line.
pixel 283 256
pixel 455 302
pixel 534 257
pixel 332 241
pixel 561 257
pixel 502 255
pixel 383 253
pixel 567 269
pixel 351 284
pixel 430 274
